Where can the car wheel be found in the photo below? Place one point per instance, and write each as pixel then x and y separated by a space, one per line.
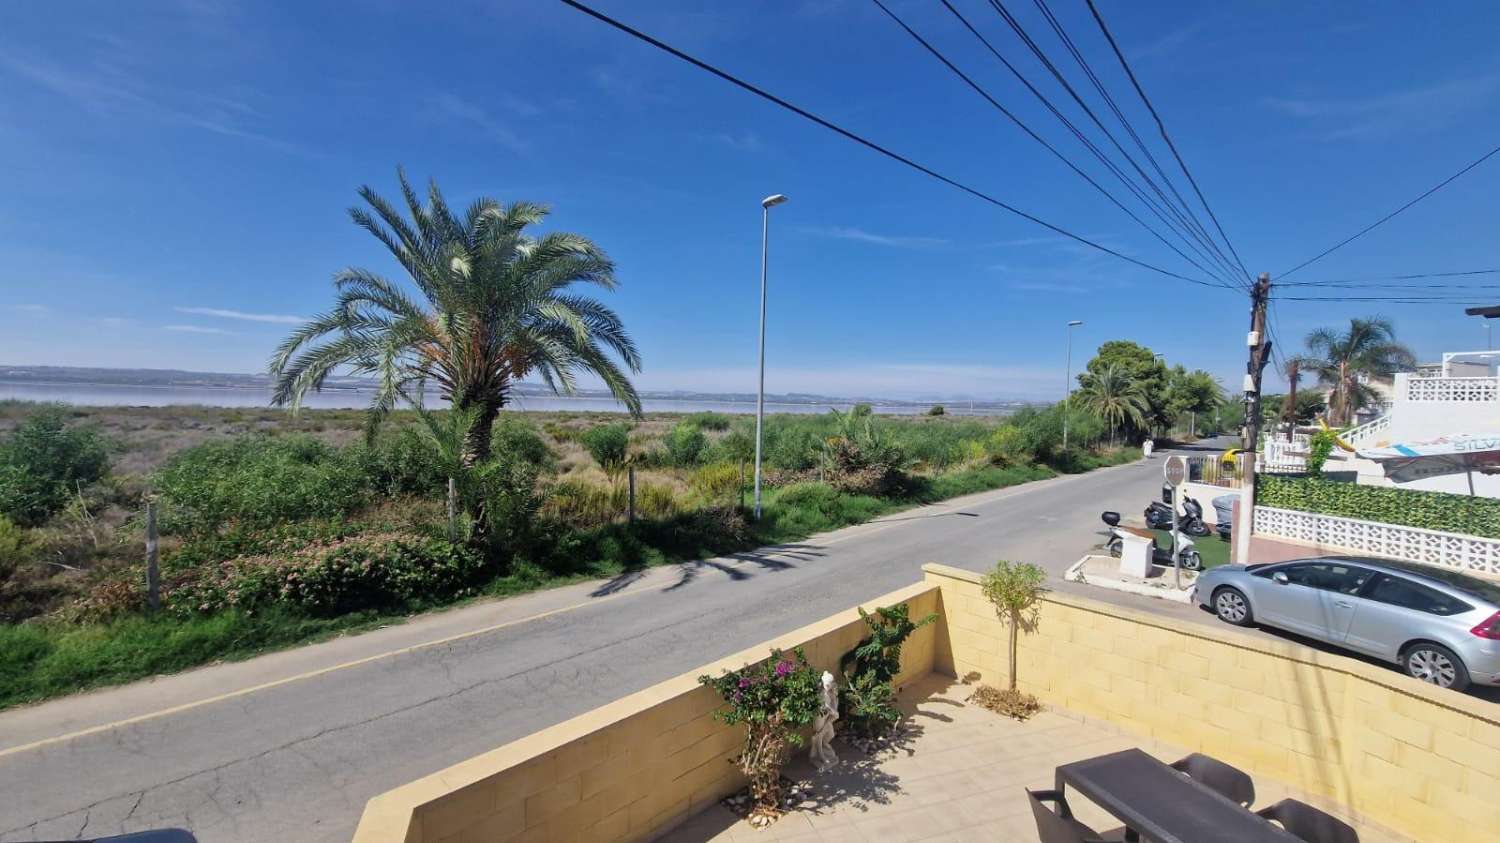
pixel 1232 607
pixel 1435 664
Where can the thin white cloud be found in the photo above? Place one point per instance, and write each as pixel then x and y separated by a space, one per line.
pixel 106 88
pixel 457 108
pixel 196 329
pixel 280 319
pixel 839 232
pixel 1168 43
pixel 35 309
pixel 739 141
pixel 1424 109
pixel 1026 241
pixel 112 321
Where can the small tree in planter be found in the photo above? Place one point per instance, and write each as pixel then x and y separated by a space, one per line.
pixel 1014 588
pixel 774 699
pixel 868 699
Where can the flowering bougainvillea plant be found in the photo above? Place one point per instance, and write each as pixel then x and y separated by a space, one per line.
pixel 774 699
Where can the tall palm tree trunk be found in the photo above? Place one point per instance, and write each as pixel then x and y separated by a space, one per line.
pixel 476 452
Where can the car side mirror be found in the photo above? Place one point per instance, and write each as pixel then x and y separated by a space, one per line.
pixel 1279 578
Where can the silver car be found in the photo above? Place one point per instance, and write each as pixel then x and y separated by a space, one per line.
pixel 1440 626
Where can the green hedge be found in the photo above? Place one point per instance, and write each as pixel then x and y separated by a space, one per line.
pixel 1429 510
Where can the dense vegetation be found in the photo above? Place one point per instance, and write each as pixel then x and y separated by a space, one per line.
pixel 272 538
pixel 1429 510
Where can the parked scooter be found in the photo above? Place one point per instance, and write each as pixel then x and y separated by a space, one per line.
pixel 1159 517
pixel 1191 561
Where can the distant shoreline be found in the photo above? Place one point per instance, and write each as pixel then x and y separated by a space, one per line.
pixel 227 396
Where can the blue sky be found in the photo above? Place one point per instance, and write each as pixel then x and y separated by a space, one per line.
pixel 177 174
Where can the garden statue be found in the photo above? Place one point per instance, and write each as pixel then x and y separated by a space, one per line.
pixel 821 752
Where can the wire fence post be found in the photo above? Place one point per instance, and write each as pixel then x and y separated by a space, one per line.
pixel 452 509
pixel 153 570
pixel 630 499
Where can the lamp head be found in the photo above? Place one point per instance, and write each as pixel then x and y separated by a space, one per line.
pixel 773 199
pixel 1075 323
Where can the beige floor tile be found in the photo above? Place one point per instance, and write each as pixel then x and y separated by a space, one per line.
pixel 960 776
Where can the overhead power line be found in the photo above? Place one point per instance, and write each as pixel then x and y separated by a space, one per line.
pixel 1359 282
pixel 1175 227
pixel 1363 231
pixel 1114 107
pixel 1444 299
pixel 937 54
pixel 1162 128
pixel 1185 219
pixel 868 144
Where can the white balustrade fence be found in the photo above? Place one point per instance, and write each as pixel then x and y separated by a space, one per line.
pixel 1471 554
pixel 1461 390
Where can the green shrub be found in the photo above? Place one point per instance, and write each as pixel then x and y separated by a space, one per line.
pixel 405 462
pixel 936 410
pixel 1008 445
pixel 818 497
pixel 517 439
pixel 708 421
pixel 684 445
pixel 736 446
pixel 868 699
pixel 15 548
pixel 609 445
pixel 376 571
pixel 1320 446
pixel 258 481
pixel 790 448
pixel 1441 511
pixel 719 482
pixel 44 462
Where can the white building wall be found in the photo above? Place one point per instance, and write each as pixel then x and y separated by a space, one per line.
pixel 1427 408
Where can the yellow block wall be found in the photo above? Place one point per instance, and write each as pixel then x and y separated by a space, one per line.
pixel 623 772
pixel 1417 759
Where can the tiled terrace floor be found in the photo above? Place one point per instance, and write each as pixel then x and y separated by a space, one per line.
pixel 959 776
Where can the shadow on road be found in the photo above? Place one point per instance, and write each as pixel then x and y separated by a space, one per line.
pixel 766 558
pixel 920 517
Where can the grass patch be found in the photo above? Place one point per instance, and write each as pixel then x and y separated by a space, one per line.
pixel 1213 550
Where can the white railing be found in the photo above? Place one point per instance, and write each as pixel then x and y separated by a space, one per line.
pixel 1471 554
pixel 1277 454
pixel 1449 390
pixel 1358 437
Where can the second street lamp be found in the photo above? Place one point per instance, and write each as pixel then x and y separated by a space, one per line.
pixel 1068 381
pixel 766 205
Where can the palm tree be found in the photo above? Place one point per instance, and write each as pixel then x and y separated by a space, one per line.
pixel 1111 396
pixel 494 306
pixel 1345 360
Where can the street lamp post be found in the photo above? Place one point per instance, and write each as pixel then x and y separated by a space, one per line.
pixel 760 394
pixel 1068 381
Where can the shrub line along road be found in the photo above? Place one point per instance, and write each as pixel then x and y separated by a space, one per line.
pixel 289 746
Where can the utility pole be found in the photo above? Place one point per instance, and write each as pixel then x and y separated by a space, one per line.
pixel 1289 412
pixel 1260 354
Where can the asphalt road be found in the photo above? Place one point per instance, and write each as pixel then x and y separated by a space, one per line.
pixel 288 747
